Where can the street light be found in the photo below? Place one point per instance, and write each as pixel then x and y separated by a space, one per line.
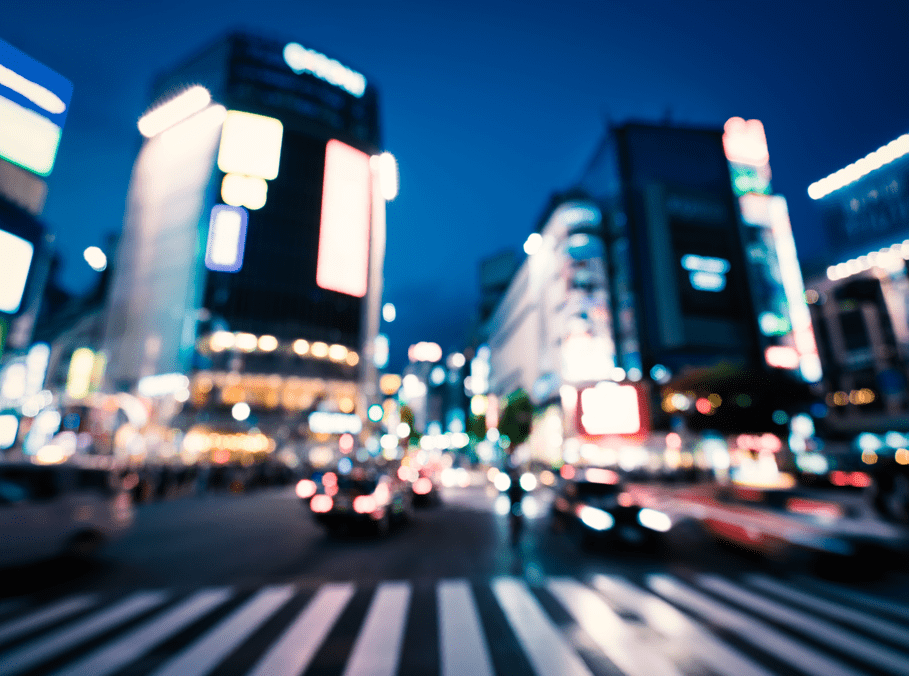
pixel 96 259
pixel 388 312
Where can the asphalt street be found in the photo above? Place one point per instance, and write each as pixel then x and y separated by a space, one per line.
pixel 249 584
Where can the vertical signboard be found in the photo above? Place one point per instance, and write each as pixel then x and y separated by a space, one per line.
pixel 343 260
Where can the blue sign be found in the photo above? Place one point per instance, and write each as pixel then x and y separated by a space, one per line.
pixel 34 102
pixel 226 238
pixel 34 86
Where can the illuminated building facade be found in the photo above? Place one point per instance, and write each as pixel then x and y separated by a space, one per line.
pixel 34 103
pixel 252 251
pixel 860 303
pixel 656 297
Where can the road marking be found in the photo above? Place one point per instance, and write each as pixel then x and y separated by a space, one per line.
pixel 546 648
pixel 820 630
pixel 378 646
pixel 137 642
pixel 462 646
pixel 882 628
pixel 885 605
pixel 45 616
pixel 204 655
pixel 755 632
pixel 45 648
pixel 664 618
pixel 295 649
pixel 609 631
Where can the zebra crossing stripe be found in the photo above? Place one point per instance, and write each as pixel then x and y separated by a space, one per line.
pixel 136 643
pixel 882 628
pixel 826 632
pixel 664 618
pixel 45 648
pixel 753 631
pixel 204 655
pixel 378 646
pixel 45 616
pixel 295 649
pixel 873 602
pixel 542 642
pixel 610 631
pixel 461 643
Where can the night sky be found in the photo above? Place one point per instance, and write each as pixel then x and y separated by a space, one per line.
pixel 488 106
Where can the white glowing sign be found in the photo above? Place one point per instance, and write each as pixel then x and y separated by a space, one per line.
pixel 705 272
pixel 610 408
pixel 343 258
pixel 303 60
pixel 744 142
pixel 15 262
pixel 424 351
pixel 325 422
pixel 250 145
pixel 226 238
pixel 174 111
pixel 871 162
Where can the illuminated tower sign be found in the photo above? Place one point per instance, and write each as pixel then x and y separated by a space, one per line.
pixel 776 279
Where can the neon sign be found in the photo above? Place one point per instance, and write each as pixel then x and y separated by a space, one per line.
pixel 303 60
pixel 705 272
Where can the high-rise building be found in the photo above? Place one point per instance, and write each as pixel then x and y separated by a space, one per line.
pixel 652 300
pixel 253 244
pixel 860 303
pixel 34 103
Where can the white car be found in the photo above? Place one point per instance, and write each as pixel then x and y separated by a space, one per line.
pixel 47 511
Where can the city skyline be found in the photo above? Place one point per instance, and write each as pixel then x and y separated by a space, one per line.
pixel 488 113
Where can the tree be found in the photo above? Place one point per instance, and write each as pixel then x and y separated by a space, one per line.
pixel 516 418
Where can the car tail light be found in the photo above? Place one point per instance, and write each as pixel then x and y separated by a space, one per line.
pixel 422 486
pixel 364 504
pixel 382 494
pixel 306 488
pixel 859 479
pixel 598 475
pixel 625 499
pixel 818 508
pixel 320 504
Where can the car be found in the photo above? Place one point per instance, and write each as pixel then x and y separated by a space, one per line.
pixel 425 488
pixel 800 527
pixel 361 499
pixel 595 506
pixel 48 511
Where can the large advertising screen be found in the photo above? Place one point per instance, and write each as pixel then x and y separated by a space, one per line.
pixel 34 102
pixel 15 262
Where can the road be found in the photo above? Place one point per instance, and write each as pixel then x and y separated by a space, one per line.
pixel 248 584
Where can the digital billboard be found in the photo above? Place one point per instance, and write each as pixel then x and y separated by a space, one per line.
pixel 343 263
pixel 15 261
pixel 34 102
pixel 226 238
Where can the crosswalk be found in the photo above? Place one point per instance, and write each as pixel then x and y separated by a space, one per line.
pixel 655 624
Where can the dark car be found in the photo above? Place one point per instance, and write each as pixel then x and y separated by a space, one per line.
pixel 595 506
pixel 425 488
pixel 359 500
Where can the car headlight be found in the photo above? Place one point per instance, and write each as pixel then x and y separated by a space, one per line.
pixel 594 518
pixel 654 520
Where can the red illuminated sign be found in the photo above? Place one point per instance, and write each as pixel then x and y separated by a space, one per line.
pixel 344 232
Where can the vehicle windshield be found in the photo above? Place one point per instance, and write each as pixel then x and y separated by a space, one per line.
pixel 362 486
pixel 586 489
